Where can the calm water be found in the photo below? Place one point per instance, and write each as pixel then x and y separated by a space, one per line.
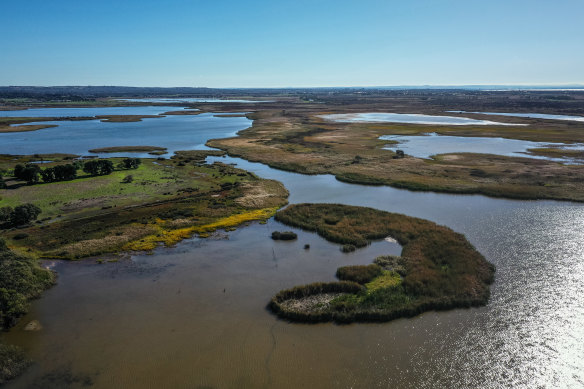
pixel 194 316
pixel 530 115
pixel 175 132
pixel 376 117
pixel 194 100
pixel 82 112
pixel 424 146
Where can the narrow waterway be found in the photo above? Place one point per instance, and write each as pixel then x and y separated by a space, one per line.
pixel 194 316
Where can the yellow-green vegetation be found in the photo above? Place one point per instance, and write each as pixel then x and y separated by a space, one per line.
pixel 165 234
pixel 164 202
pixel 438 268
pixel 300 140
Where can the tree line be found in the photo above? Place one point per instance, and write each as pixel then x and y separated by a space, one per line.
pixel 32 173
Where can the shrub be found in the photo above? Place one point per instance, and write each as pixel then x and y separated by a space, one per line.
pixel 128 179
pixel 348 248
pixel 285 235
pixel 98 167
pixel 24 214
pixel 2 183
pixel 131 163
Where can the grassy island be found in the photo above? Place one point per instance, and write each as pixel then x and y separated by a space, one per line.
pixel 438 268
pixel 159 201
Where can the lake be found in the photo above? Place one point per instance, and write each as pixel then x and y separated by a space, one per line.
pixel 194 316
pixel 175 132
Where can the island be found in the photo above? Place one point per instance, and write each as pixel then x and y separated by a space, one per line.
pixel 438 269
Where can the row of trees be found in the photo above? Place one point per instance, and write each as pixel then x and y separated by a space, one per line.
pixel 32 173
pixel 59 173
pixel 20 215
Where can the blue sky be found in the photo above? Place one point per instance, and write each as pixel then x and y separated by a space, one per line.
pixel 291 43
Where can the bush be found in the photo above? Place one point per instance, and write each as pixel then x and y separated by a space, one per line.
pixel 128 179
pixel 131 163
pixel 24 214
pixel 360 274
pixel 285 235
pixel 98 167
pixel 348 248
pixel 2 183
pixel 20 280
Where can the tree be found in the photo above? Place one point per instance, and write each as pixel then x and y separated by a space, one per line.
pixel 131 163
pixel 18 171
pixel 5 215
pixel 98 167
pixel 48 175
pixel 30 174
pixel 24 214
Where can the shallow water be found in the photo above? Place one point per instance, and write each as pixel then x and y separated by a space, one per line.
pixel 194 100
pixel 529 115
pixel 194 316
pixel 175 132
pixel 426 145
pixel 82 112
pixel 377 117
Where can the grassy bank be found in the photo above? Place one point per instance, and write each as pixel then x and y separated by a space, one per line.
pixel 21 279
pixel 164 202
pixel 438 268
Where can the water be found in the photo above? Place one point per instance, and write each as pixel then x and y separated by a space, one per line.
pixel 175 132
pixel 194 316
pixel 194 100
pixel 86 112
pixel 530 115
pixel 409 118
pixel 426 145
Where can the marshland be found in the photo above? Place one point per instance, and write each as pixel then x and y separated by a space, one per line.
pixel 205 297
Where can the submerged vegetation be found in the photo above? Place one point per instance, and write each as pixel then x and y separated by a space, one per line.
pixel 438 268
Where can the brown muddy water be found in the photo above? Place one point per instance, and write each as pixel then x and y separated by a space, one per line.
pixel 194 316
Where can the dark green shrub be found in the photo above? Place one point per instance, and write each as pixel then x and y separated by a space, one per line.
pixel 285 235
pixel 98 167
pixel 24 214
pixel 348 248
pixel 360 274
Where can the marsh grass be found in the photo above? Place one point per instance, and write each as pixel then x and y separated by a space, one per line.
pixel 438 269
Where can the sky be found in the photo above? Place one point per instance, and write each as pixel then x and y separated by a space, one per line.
pixel 297 43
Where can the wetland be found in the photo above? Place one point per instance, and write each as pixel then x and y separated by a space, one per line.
pixel 205 297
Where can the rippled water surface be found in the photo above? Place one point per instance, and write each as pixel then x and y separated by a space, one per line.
pixel 194 316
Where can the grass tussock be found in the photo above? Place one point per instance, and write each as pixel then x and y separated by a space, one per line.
pixel 438 269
